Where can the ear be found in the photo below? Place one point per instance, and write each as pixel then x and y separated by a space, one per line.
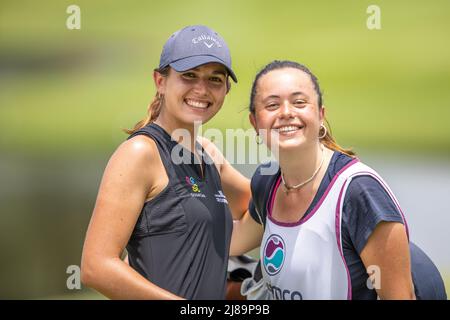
pixel 252 118
pixel 160 82
pixel 322 114
pixel 228 84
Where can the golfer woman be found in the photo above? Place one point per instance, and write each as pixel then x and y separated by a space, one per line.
pixel 166 194
pixel 331 220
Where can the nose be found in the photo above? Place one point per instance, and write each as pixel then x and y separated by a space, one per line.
pixel 286 109
pixel 200 87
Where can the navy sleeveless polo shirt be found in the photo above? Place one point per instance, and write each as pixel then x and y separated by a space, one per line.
pixel 182 236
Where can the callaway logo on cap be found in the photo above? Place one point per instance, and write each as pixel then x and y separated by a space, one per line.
pixel 194 46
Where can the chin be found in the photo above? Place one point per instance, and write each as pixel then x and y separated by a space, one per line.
pixel 290 144
pixel 191 119
pixel 287 145
pixel 203 117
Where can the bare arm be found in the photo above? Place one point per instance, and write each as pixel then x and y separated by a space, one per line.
pixel 237 189
pixel 235 186
pixel 247 235
pixel 387 249
pixel 125 185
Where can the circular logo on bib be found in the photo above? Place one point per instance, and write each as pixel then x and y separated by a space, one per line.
pixel 274 253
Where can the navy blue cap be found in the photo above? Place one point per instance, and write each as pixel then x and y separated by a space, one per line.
pixel 194 46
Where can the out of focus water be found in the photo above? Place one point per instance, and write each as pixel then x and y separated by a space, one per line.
pixel 422 186
pixel 46 203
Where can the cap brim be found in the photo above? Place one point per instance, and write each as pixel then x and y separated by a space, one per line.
pixel 196 61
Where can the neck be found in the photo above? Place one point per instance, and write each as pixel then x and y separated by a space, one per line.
pixel 183 133
pixel 297 166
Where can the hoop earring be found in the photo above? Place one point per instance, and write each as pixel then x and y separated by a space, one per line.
pixel 324 131
pixel 258 139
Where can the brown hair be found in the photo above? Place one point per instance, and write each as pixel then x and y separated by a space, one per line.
pixel 328 139
pixel 154 108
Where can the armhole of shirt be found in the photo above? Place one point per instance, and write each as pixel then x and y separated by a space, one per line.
pixel 260 187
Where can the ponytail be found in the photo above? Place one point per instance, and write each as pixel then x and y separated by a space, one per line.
pixel 330 143
pixel 153 109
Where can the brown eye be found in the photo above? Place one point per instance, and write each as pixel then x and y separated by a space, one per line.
pixel 216 79
pixel 299 103
pixel 189 75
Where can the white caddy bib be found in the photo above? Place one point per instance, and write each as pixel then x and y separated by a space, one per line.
pixel 305 260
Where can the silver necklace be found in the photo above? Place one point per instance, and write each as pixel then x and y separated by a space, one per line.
pixel 301 184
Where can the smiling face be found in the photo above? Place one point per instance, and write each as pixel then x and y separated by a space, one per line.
pixel 193 95
pixel 286 107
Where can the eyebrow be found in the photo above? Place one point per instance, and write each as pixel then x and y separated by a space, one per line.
pixel 297 93
pixel 217 71
pixel 222 72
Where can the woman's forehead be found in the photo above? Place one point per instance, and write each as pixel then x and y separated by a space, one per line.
pixel 213 67
pixel 286 79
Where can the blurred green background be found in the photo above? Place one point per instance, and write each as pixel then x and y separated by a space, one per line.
pixel 66 94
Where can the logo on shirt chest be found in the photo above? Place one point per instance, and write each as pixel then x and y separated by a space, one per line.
pixel 220 197
pixel 274 254
pixel 196 192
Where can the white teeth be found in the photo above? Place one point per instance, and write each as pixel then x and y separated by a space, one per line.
pixel 197 104
pixel 288 128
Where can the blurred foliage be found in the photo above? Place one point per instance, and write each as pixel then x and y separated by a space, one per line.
pixel 72 91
